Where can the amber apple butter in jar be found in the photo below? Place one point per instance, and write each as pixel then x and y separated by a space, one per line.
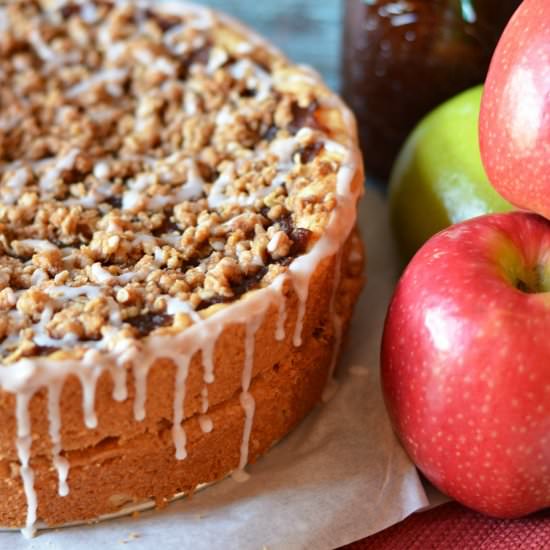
pixel 401 58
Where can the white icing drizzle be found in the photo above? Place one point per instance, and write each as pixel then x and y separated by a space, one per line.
pixel 120 390
pixel 256 78
pixel 300 280
pixel 244 48
pixel 98 274
pixel 60 463
pixel 171 40
pixel 206 424
pixel 38 244
pixel 160 64
pixel 174 306
pixel 140 369
pixel 192 189
pixel 275 241
pixel 39 276
pixel 26 376
pixel 88 375
pixel 225 117
pixel 41 336
pixel 204 399
pixel 190 103
pixel 217 196
pixel 102 170
pixel 66 162
pixel 23 443
pixel 282 148
pixel 246 398
pixel 217 57
pixel 178 432
pixel 207 348
pixel 278 287
pixel 301 268
pixel 89 13
pixel 15 186
pixel 47 54
pixel 4 19
pixel 64 292
pixel 111 77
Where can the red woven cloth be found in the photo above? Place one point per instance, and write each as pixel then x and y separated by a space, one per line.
pixel 454 527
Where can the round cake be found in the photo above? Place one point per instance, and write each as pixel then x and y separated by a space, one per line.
pixel 179 259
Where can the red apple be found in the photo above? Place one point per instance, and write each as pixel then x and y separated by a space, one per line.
pixel 466 362
pixel 514 120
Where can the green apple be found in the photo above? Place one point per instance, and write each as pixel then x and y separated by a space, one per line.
pixel 438 178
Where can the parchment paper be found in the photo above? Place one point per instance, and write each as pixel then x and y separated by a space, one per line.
pixel 339 477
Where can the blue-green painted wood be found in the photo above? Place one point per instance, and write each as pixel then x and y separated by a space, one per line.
pixel 308 31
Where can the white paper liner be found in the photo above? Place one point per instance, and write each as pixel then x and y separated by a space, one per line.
pixel 339 477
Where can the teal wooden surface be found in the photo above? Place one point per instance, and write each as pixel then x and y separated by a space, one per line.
pixel 308 31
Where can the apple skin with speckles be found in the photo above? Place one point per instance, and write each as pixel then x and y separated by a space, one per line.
pixel 514 123
pixel 465 362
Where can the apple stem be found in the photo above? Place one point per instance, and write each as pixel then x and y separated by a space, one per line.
pixel 523 286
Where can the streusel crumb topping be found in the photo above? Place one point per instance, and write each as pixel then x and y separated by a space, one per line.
pixel 152 164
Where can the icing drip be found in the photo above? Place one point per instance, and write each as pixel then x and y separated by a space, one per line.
pixel 140 371
pixel 23 444
pixel 204 399
pixel 88 381
pixel 302 268
pixel 206 424
pixel 208 346
pixel 278 287
pixel 128 352
pixel 301 287
pixel 88 376
pixel 178 432
pixel 246 398
pixel 249 406
pixel 60 463
pixel 120 391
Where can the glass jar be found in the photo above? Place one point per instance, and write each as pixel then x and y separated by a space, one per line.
pixel 402 58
